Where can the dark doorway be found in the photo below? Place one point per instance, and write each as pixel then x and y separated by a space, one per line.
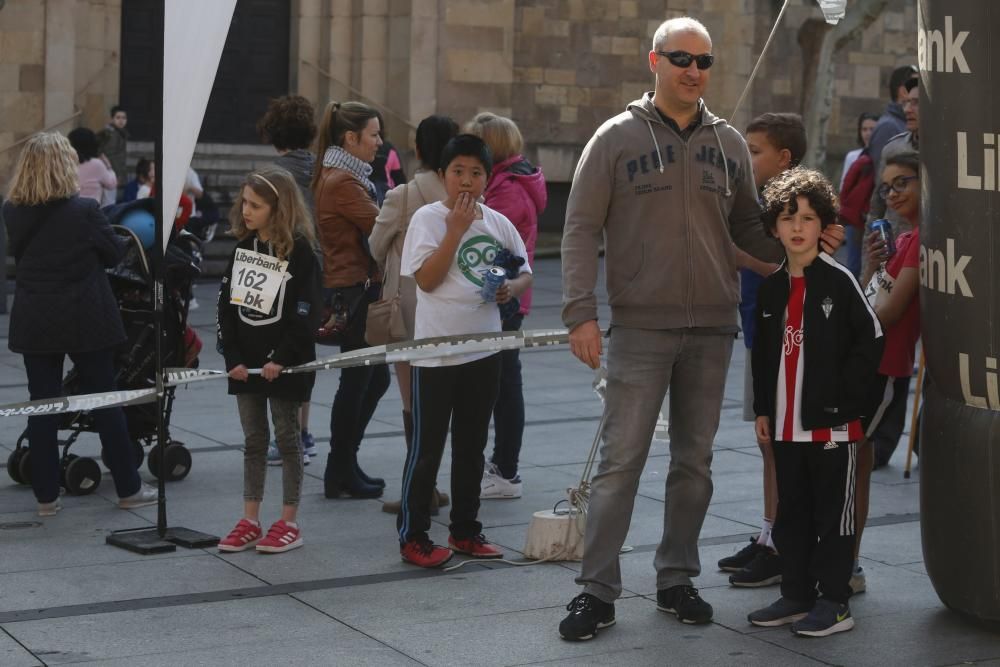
pixel 254 67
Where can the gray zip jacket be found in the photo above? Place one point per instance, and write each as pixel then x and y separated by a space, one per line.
pixel 669 211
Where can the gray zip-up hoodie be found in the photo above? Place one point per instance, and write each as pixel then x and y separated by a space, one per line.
pixel 669 211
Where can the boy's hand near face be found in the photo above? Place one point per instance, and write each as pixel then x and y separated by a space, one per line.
pixel 461 215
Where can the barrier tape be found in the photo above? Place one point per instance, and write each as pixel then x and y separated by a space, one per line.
pixel 78 403
pixel 416 350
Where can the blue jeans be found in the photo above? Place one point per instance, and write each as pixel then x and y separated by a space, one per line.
pixel 97 374
pixel 508 413
pixel 642 365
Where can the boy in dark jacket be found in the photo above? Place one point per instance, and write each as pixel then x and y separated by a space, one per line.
pixel 816 351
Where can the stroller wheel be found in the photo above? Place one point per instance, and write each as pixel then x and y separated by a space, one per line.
pixel 178 461
pixel 140 453
pixel 14 464
pixel 24 467
pixel 62 468
pixel 83 476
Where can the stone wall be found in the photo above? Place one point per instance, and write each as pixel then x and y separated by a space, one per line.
pixel 558 67
pixel 561 67
pixel 58 68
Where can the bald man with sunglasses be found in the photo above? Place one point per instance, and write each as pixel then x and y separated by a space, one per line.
pixel 668 186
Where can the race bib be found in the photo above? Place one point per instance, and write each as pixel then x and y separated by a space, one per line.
pixel 256 280
pixel 879 287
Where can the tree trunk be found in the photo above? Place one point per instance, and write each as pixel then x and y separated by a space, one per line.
pixel 818 106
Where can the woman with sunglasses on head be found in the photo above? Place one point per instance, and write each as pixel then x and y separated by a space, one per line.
pixel 345 215
pixel 893 280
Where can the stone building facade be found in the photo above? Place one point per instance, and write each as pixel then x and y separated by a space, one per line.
pixel 558 67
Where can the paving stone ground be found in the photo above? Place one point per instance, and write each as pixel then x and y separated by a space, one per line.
pixel 345 598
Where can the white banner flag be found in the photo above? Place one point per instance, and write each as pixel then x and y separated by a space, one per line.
pixel 194 33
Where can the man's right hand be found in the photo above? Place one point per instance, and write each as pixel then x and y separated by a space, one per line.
pixel 585 343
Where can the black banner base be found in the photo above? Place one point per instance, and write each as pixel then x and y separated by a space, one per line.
pixel 147 541
pixel 191 539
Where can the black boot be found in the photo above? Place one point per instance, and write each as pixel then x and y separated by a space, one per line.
pixel 340 478
pixel 371 481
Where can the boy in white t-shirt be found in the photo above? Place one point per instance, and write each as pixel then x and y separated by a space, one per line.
pixel 448 247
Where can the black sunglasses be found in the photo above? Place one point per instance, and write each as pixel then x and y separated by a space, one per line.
pixel 684 59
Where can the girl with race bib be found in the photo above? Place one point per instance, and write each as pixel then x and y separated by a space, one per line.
pixel 268 311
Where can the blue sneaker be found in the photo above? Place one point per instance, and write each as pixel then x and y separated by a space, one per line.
pixel 826 618
pixel 308 444
pixel 273 455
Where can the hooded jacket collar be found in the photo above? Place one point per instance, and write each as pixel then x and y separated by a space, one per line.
pixel 645 108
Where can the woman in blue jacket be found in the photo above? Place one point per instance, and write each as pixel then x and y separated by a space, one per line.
pixel 63 305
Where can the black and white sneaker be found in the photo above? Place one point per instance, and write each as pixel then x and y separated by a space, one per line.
pixel 782 612
pixel 587 615
pixel 685 603
pixel 763 570
pixel 741 558
pixel 826 618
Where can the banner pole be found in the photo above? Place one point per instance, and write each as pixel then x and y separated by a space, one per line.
pixel 158 284
pixel 161 539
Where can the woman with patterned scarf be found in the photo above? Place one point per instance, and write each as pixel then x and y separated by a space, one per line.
pixel 345 214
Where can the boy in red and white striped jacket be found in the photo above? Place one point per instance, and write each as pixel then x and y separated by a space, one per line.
pixel 815 356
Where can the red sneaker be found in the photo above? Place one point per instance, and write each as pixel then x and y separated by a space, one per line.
pixel 281 537
pixel 476 546
pixel 425 553
pixel 242 537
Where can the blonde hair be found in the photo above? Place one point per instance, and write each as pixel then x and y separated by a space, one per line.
pixel 45 171
pixel 499 133
pixel 290 217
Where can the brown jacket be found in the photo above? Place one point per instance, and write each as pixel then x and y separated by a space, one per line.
pixel 345 215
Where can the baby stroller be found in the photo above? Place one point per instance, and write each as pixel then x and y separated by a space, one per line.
pixel 135 360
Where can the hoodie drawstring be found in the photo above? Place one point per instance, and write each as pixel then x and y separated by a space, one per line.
pixel 725 162
pixel 656 145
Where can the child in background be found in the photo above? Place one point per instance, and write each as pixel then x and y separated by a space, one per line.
pixel 268 311
pixel 448 246
pixel 815 355
pixel 893 289
pixel 777 142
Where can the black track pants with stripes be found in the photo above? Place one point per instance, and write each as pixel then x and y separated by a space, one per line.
pixel 815 528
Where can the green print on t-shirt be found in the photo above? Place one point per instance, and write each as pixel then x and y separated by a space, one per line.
pixel 475 256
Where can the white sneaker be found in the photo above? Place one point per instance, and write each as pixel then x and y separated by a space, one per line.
pixel 495 486
pixel 858 581
pixel 49 509
pixel 145 496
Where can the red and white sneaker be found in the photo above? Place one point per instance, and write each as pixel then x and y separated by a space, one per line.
pixel 244 536
pixel 475 546
pixel 425 553
pixel 280 537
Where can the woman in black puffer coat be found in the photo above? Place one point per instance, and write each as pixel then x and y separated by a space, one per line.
pixel 63 305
